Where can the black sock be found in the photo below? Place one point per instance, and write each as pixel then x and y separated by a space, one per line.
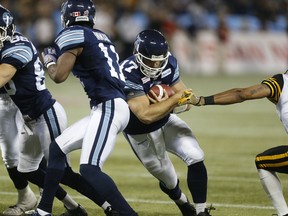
pixel 37 177
pixel 51 190
pixel 174 193
pixel 106 187
pixel 43 164
pixel 54 174
pixel 17 178
pixel 197 182
pixel 77 182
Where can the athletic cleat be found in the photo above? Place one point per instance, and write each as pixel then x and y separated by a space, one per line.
pixel 187 209
pixel 111 212
pixel 79 211
pixel 13 211
pixel 206 212
pixel 26 201
pixel 34 213
pixel 277 215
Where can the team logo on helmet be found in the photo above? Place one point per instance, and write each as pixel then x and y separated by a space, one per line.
pixel 7 18
pixel 86 13
pixel 76 14
pixel 137 43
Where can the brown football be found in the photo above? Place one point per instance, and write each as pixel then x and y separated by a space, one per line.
pixel 159 90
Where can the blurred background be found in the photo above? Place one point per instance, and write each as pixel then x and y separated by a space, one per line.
pixel 215 38
pixel 207 36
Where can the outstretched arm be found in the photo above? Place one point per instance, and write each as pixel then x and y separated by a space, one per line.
pixel 232 96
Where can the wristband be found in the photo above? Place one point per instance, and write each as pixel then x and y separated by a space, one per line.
pixel 209 100
pixel 199 101
pixel 50 63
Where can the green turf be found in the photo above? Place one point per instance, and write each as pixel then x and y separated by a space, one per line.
pixel 231 136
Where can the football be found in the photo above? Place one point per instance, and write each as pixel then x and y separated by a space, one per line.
pixel 159 90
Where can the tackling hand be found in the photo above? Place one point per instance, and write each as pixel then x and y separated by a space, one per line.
pixel 49 56
pixel 185 98
pixel 189 97
pixel 197 101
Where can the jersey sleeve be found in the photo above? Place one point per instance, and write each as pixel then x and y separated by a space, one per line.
pixel 18 56
pixel 174 66
pixel 132 90
pixel 275 84
pixel 132 86
pixel 70 39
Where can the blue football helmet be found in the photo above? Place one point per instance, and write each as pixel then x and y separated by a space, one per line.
pixel 7 26
pixel 74 12
pixel 151 46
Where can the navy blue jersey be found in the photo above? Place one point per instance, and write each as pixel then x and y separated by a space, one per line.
pixel 27 87
pixel 97 67
pixel 3 91
pixel 138 84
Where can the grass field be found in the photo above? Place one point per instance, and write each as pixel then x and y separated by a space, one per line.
pixel 231 136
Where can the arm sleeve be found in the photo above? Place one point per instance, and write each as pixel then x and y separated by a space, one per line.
pixel 275 84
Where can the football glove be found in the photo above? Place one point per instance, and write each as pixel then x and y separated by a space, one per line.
pixel 185 98
pixel 190 98
pixel 49 55
pixel 181 109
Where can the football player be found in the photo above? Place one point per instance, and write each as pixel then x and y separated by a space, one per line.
pixel 92 58
pixel 153 130
pixel 271 161
pixel 10 138
pixel 22 75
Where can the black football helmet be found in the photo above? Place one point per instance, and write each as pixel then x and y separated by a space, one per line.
pixel 75 12
pixel 7 26
pixel 151 45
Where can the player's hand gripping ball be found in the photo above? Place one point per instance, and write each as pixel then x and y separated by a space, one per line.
pixel 159 94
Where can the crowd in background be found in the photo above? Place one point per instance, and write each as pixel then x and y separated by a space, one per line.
pixel 124 19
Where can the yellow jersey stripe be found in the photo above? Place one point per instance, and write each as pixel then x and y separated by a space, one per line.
pixel 267 165
pixel 275 89
pixel 272 157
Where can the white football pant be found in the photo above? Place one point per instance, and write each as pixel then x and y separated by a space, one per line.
pixel 96 134
pixel 152 149
pixel 10 122
pixel 38 139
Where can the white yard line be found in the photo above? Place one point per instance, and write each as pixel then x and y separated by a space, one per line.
pixel 166 202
